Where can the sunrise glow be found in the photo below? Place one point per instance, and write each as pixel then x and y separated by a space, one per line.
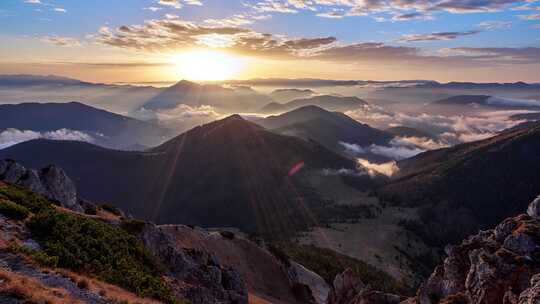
pixel 208 65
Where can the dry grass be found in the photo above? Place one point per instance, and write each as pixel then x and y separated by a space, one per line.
pixel 111 292
pixel 32 290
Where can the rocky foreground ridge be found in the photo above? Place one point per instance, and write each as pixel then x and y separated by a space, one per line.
pixel 501 265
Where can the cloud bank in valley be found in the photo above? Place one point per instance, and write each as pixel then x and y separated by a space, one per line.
pixel 10 137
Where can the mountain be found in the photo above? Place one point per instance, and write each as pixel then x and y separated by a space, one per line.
pixel 286 95
pixel 103 128
pixel 472 85
pixel 38 80
pixel 453 188
pixel 327 128
pixel 327 102
pixel 227 173
pixel 462 100
pixel 195 95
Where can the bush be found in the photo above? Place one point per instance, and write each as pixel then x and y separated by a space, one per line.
pixel 94 247
pixel 110 208
pixel 13 211
pixel 90 209
pixel 134 227
pixel 328 263
pixel 25 198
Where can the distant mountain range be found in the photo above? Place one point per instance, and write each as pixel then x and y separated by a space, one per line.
pixel 327 102
pixel 227 173
pixel 105 128
pixel 473 85
pixel 193 94
pixel 286 95
pixel 453 188
pixel 327 128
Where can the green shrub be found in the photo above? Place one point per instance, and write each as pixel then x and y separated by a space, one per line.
pixel 110 208
pixel 134 227
pixel 328 263
pixel 94 247
pixel 44 259
pixel 32 201
pixel 12 210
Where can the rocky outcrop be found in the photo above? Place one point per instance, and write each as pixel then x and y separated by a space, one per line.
pixel 348 289
pixel 199 276
pixel 501 265
pixel 51 182
pixel 534 208
pixel 494 266
pixel 308 286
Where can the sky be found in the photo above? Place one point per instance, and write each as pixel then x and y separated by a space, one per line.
pixel 169 40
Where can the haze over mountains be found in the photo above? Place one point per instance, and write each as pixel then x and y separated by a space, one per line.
pixel 94 125
pixel 244 177
pixel 323 173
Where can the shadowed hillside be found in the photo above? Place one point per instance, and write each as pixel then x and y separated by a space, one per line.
pixel 227 173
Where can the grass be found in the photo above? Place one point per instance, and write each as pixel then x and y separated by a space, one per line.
pixel 328 263
pixel 30 290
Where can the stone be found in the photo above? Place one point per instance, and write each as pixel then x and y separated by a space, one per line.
pixel 318 288
pixel 534 208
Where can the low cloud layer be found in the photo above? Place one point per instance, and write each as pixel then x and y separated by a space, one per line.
pixel 10 137
pixel 449 130
pixel 373 169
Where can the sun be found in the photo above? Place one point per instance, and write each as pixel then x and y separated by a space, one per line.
pixel 208 65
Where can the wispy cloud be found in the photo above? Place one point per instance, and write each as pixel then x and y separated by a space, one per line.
pixel 436 36
pixel 62 41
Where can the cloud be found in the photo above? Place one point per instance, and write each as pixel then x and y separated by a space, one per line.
pixel 388 169
pixel 152 8
pixel 61 41
pixel 436 36
pixel 32 1
pixel 60 10
pixel 495 25
pixel 172 34
pixel 329 8
pixel 421 142
pixel 182 117
pixel 343 172
pixel 10 137
pixel 512 102
pixel 530 17
pixel 450 130
pixel 177 4
pixel 396 149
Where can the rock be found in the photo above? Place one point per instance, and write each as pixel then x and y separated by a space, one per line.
pixel 531 295
pixel 30 244
pixel 201 279
pixel 308 284
pixel 51 182
pixel 534 208
pixel 14 172
pixel 520 243
pixel 348 289
pixel 4 164
pixel 60 187
pixel 494 266
pixel 32 181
